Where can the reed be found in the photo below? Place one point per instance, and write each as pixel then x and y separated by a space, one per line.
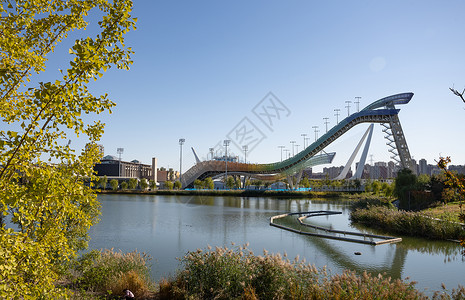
pixel 223 273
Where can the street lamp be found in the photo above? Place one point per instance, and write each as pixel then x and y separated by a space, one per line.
pixel 211 152
pixel 282 147
pixel 304 135
pixel 315 128
pixel 226 144
pixel 181 142
pixel 326 123
pixel 348 107
pixel 292 142
pixel 286 153
pixel 337 110
pixel 357 102
pixel 245 148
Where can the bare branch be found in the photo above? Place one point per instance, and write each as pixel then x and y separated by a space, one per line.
pixel 457 93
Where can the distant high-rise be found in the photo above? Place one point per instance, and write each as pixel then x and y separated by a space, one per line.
pixel 423 166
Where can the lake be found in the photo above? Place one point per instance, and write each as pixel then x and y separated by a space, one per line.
pixel 166 227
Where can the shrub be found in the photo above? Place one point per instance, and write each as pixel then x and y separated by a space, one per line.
pixel 109 272
pixel 223 273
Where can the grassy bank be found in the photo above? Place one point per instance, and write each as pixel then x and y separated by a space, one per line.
pixel 416 224
pixel 223 273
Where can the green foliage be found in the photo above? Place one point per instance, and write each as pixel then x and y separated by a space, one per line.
pixel 133 182
pixel 169 185
pixel 109 272
pixel 124 185
pixel 208 183
pixel 114 184
pixel 102 182
pixel 225 273
pixel 143 184
pixel 408 223
pixel 198 184
pixel 152 184
pixel 305 183
pixel 230 182
pixel 405 183
pixel 177 185
pixel 49 202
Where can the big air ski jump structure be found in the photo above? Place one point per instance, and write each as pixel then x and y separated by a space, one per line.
pixel 382 111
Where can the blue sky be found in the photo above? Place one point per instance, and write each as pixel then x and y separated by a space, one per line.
pixel 200 68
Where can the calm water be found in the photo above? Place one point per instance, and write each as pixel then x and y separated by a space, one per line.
pixel 166 227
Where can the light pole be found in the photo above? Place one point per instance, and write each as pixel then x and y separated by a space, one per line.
pixel 307 139
pixel 119 151
pixel 348 107
pixel 282 147
pixel 297 147
pixel 226 144
pixel 211 152
pixel 292 142
pixel 245 148
pixel 286 153
pixel 357 101
pixel 304 135
pixel 315 128
pixel 326 123
pixel 337 110
pixel 181 142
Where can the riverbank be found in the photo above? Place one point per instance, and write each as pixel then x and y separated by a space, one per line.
pixel 237 193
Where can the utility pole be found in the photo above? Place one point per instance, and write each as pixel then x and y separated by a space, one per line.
pixel 337 110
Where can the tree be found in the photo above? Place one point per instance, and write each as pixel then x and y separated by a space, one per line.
pixel 168 185
pixel 152 184
pixel 198 184
pixel 376 187
pixel 103 182
pixel 143 184
pixel 114 184
pixel 230 182
pixel 405 182
pixel 208 183
pixel 124 185
pixel 132 183
pixel 177 185
pixel 305 183
pixel 458 94
pixel 41 177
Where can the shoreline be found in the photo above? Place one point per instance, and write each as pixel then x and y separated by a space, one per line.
pixel 236 193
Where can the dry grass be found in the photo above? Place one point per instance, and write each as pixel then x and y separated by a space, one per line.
pixel 223 273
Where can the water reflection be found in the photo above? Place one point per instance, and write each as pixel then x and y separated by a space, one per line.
pixel 167 227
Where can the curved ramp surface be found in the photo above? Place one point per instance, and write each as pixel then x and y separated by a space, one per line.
pixel 381 111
